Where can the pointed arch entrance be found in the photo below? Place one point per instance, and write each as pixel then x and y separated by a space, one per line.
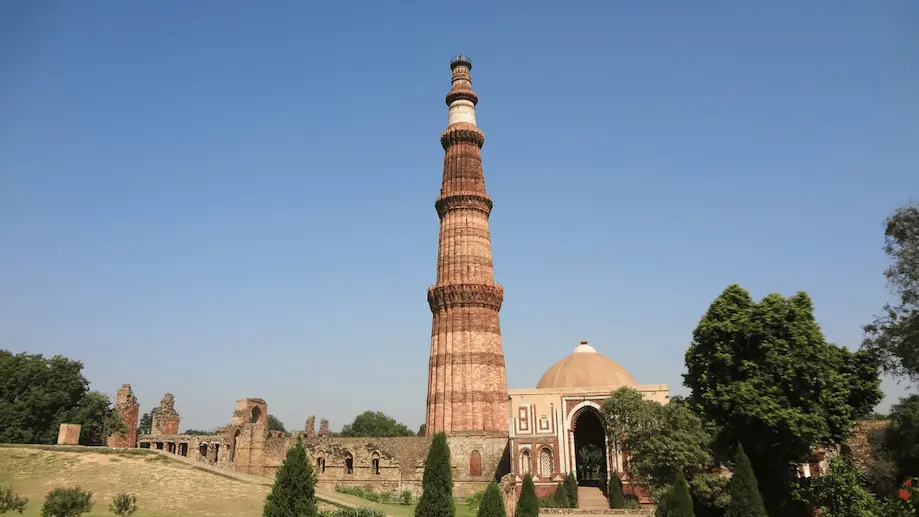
pixel 590 454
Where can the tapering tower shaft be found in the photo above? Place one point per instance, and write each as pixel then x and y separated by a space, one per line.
pixel 467 384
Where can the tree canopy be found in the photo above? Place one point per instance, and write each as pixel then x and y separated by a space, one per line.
pixel 762 373
pixel 37 394
pixel 275 424
pixel 375 424
pixel 894 335
pixel 625 413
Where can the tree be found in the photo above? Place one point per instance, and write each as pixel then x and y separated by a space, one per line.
pixel 294 490
pixel 492 504
pixel 626 412
pixel 123 505
pixel 528 503
pixel 98 419
pixel 560 497
pixel 762 373
pixel 571 485
pixel 199 432
pixel 899 441
pixel 11 502
pixel 422 430
pixel 616 498
pixel 894 335
pixel 437 482
pixel 590 458
pixel 375 424
pixel 274 424
pixel 841 492
pixel 676 502
pixel 746 501
pixel 37 394
pixel 145 422
pixel 67 502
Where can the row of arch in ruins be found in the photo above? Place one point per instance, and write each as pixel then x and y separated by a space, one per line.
pixel 475 463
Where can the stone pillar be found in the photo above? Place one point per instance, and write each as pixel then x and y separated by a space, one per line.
pixel 323 427
pixel 310 427
pixel 166 419
pixel 69 434
pixel 127 407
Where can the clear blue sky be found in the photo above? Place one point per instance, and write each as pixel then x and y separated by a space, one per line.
pixel 235 199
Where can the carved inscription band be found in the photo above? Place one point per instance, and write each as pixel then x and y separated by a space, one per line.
pixel 460 397
pixel 473 358
pixel 465 295
pixel 461 94
pixel 486 321
pixel 462 133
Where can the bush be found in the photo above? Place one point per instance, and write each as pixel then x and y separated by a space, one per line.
pixel 406 497
pixel 746 501
pixel 475 500
pixel 561 497
pixel 528 504
pixel 492 504
pixel 67 502
pixel 294 490
pixel 10 502
pixel 351 512
pixel 676 502
pixel 616 499
pixel 571 485
pixel 123 505
pixel 437 482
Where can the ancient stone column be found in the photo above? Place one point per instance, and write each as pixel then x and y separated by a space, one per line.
pixel 69 434
pixel 323 427
pixel 127 407
pixel 467 387
pixel 166 419
pixel 310 427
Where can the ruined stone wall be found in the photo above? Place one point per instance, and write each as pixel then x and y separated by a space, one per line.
pixel 68 434
pixel 213 449
pixel 247 451
pixel 250 411
pixel 128 409
pixel 166 419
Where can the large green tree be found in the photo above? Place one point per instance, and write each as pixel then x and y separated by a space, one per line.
pixel 294 490
pixel 625 413
pixel 97 418
pixel 37 394
pixel 894 335
pixel 762 373
pixel 899 441
pixel 275 424
pixel 437 481
pixel 375 424
pixel 676 502
pixel 145 423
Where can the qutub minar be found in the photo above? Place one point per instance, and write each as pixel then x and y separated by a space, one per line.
pixel 467 386
pixel 494 433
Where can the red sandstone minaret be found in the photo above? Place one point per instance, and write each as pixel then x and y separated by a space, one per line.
pixel 467 386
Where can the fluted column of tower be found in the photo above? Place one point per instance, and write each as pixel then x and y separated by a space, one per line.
pixel 467 385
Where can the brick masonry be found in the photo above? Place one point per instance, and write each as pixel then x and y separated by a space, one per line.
pixel 166 419
pixel 467 386
pixel 69 434
pixel 128 409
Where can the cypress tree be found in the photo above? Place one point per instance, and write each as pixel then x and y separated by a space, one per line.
pixel 676 502
pixel 561 497
pixel 746 501
pixel 437 482
pixel 492 504
pixel 571 485
pixel 294 491
pixel 528 504
pixel 616 499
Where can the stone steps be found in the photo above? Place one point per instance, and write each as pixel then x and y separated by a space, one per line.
pixel 591 497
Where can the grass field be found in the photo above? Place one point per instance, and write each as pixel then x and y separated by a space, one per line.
pixel 164 487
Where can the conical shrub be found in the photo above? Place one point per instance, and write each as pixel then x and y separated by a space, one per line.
pixel 746 501
pixel 492 504
pixel 294 490
pixel 616 499
pixel 676 502
pixel 571 486
pixel 437 482
pixel 528 504
pixel 560 498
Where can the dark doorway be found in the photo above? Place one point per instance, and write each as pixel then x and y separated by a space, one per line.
pixel 590 448
pixel 234 445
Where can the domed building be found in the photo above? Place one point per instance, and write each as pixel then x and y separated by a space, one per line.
pixel 561 416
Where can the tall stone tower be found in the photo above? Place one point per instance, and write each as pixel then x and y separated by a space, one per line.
pixel 467 386
pixel 127 407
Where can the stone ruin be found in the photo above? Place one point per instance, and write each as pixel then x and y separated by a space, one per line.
pixel 166 419
pixel 310 427
pixel 323 427
pixel 128 409
pixel 69 434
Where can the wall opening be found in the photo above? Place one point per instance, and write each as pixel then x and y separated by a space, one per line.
pixel 375 464
pixel 202 450
pixel 217 453
pixel 545 463
pixel 525 462
pixel 320 464
pixel 144 445
pixel 183 449
pixel 233 446
pixel 255 415
pixel 589 447
pixel 475 464
pixel 349 464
